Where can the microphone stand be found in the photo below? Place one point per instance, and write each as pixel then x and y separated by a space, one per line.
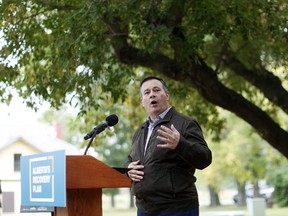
pixel 90 142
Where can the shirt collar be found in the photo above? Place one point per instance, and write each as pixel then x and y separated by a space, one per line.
pixel 160 116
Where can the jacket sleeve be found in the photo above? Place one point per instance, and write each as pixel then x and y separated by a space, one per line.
pixel 192 146
pixel 130 156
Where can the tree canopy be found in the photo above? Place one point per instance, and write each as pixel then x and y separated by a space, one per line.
pixel 233 55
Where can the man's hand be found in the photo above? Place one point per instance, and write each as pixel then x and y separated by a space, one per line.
pixel 169 136
pixel 135 174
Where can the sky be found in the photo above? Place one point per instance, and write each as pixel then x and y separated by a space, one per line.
pixel 17 118
pixel 18 114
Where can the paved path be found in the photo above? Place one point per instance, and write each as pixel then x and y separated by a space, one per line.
pixel 223 213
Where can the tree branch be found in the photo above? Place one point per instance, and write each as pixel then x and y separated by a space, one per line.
pixel 261 78
pixel 173 16
pixel 51 6
pixel 205 80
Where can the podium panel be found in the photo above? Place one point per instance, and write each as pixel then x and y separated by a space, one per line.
pixel 78 204
pixel 85 178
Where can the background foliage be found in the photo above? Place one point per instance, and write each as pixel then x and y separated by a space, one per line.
pixel 91 55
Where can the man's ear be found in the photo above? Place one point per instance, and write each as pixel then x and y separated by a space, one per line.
pixel 167 95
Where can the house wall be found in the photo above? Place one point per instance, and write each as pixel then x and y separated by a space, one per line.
pixel 7 159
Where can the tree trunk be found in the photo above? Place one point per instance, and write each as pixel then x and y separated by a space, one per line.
pixel 256 190
pixel 214 197
pixel 240 198
pixel 131 200
pixel 112 200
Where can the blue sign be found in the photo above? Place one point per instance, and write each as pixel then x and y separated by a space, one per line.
pixel 43 179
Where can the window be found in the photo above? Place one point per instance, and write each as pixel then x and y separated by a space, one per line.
pixel 17 162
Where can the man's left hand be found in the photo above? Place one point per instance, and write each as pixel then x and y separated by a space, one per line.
pixel 170 137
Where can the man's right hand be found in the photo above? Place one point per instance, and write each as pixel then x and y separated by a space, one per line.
pixel 135 173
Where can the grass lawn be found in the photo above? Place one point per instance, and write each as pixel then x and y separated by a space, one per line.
pixel 269 211
pixel 275 211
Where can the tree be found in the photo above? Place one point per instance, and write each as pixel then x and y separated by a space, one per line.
pixel 242 156
pixel 279 178
pixel 234 55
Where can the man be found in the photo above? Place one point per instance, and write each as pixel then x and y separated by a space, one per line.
pixel 166 150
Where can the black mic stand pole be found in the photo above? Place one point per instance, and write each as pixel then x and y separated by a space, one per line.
pixel 90 142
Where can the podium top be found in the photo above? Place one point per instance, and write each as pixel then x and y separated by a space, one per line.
pixel 85 171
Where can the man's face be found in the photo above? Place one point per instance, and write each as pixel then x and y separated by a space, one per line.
pixel 154 99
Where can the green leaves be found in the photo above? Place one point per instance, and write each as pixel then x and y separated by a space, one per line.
pixel 85 52
pixel 279 178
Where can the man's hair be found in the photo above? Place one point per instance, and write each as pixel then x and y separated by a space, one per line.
pixel 157 78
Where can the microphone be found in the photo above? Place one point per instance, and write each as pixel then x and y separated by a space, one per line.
pixel 111 120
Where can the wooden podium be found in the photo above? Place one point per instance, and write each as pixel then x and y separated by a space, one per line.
pixel 85 178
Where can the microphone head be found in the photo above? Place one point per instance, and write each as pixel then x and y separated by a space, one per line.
pixel 112 120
